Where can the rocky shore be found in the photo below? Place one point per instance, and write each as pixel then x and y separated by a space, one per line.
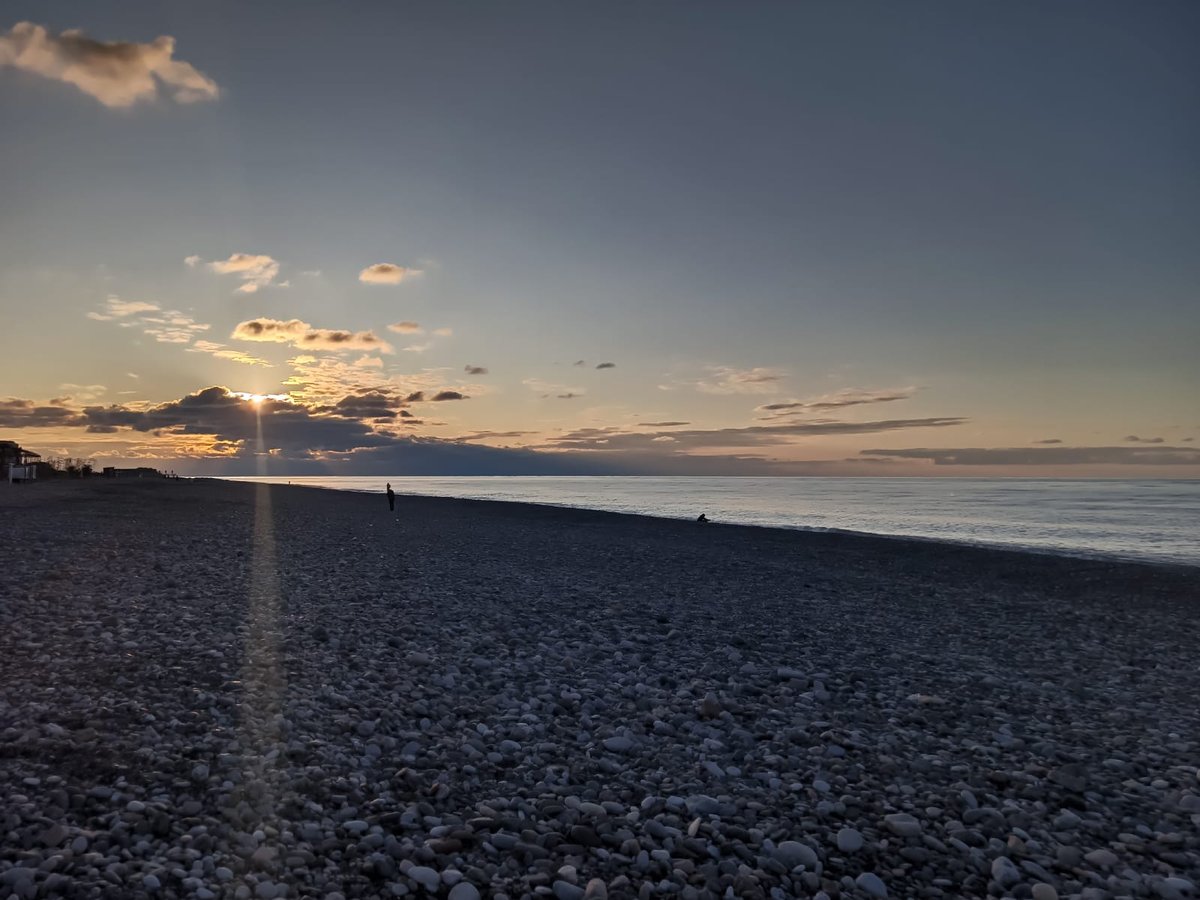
pixel 227 690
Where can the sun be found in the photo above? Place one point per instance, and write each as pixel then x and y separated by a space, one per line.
pixel 257 400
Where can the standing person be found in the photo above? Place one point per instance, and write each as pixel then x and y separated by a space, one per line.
pixel 391 497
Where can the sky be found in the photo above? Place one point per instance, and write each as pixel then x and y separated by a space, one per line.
pixel 862 238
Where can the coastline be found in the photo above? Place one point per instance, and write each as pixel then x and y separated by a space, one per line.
pixel 915 540
pixel 314 698
pixel 814 510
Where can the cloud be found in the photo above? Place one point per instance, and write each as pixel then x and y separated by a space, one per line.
pixel 1049 441
pixel 448 395
pixel 229 417
pixel 1134 439
pixel 219 431
pixel 606 365
pixel 302 335
pixel 256 270
pixel 168 326
pixel 547 389
pixel 475 370
pixel 375 404
pixel 116 308
pixel 417 348
pixel 443 332
pixel 220 351
pixel 570 395
pixel 369 362
pixel 661 424
pixel 386 273
pixel 613 439
pixel 79 392
pixel 838 400
pixel 730 380
pixel 1048 456
pixel 579 362
pixel 133 374
pixel 16 413
pixel 405 328
pixel 490 435
pixel 117 73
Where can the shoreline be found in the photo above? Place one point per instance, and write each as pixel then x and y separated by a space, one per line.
pixel 213 689
pixel 1080 555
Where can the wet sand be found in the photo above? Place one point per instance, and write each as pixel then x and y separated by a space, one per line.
pixel 216 689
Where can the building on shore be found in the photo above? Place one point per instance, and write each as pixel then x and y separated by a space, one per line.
pixel 17 463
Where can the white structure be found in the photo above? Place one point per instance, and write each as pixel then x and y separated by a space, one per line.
pixel 17 464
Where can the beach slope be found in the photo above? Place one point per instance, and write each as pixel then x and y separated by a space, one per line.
pixel 211 689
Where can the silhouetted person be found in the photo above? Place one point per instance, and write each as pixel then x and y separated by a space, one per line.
pixel 702 519
pixel 391 497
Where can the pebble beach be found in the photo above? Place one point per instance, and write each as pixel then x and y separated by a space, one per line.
pixel 213 689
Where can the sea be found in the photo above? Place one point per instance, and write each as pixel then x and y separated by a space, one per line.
pixel 1148 520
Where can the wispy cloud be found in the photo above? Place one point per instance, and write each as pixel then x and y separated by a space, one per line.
pixel 1134 439
pixel 549 389
pixel 441 396
pixel 301 334
pixel 614 439
pixel 116 308
pixel 220 351
pixel 838 400
pixel 730 380
pixel 1047 456
pixel 172 327
pixel 475 370
pixel 117 73
pixel 81 393
pixel 386 273
pixel 405 328
pixel 256 270
pixel 167 326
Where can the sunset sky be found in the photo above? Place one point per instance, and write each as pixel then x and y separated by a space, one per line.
pixel 666 238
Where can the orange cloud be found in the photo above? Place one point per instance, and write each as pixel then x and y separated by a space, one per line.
pixel 117 73
pixel 302 335
pixel 386 273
